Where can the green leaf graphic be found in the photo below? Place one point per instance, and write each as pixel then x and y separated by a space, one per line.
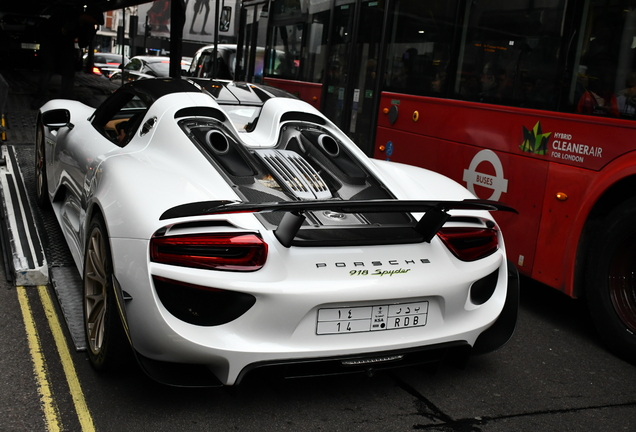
pixel 535 141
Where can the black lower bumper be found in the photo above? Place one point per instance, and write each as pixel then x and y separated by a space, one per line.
pixel 369 363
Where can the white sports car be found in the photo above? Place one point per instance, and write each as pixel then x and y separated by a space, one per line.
pixel 222 228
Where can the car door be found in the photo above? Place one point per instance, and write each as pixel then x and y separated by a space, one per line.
pixel 82 149
pixel 77 152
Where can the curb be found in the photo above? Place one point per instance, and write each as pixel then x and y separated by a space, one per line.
pixel 24 258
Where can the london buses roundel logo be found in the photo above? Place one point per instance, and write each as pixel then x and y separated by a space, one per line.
pixel 497 183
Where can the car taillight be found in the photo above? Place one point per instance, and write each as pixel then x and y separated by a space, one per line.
pixel 470 244
pixel 96 70
pixel 230 252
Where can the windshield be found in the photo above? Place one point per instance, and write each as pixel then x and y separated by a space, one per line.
pixel 109 58
pixel 242 115
pixel 161 69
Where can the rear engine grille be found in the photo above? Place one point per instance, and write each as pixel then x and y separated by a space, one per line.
pixel 295 173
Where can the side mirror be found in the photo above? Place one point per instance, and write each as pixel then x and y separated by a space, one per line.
pixel 57 118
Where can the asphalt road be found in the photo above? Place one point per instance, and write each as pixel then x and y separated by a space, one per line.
pixel 554 375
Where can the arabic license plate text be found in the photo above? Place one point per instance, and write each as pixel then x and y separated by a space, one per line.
pixel 372 318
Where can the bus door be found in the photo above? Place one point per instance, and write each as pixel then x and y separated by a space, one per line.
pixel 351 100
pixel 251 41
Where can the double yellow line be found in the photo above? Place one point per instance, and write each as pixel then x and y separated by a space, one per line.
pixel 51 412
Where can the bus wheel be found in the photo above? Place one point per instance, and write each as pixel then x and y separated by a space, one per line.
pixel 611 281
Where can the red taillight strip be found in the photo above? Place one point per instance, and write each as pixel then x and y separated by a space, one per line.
pixel 227 251
pixel 470 244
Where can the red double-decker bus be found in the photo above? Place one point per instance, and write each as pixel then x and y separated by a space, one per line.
pixel 530 102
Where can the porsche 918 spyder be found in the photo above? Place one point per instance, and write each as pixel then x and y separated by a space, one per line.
pixel 222 228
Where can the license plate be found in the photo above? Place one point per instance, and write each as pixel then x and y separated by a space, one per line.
pixel 372 318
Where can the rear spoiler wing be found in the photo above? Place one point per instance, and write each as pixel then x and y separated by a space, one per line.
pixel 435 212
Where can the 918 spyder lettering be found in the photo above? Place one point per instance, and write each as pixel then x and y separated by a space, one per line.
pixel 378 272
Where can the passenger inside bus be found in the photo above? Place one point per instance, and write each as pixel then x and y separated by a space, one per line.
pixel 596 98
pixel 408 73
pixel 626 98
pixel 491 78
pixel 438 84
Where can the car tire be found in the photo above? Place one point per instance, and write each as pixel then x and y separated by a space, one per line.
pixel 107 344
pixel 41 183
pixel 611 280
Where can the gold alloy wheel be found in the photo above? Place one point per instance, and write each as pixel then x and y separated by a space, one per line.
pixel 96 280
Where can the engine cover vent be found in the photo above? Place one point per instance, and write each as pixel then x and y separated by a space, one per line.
pixel 295 174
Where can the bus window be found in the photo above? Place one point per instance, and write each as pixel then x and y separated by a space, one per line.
pixel 286 36
pixel 338 63
pixel 298 41
pixel 313 68
pixel 605 80
pixel 510 53
pixel 288 40
pixel 297 47
pixel 420 47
